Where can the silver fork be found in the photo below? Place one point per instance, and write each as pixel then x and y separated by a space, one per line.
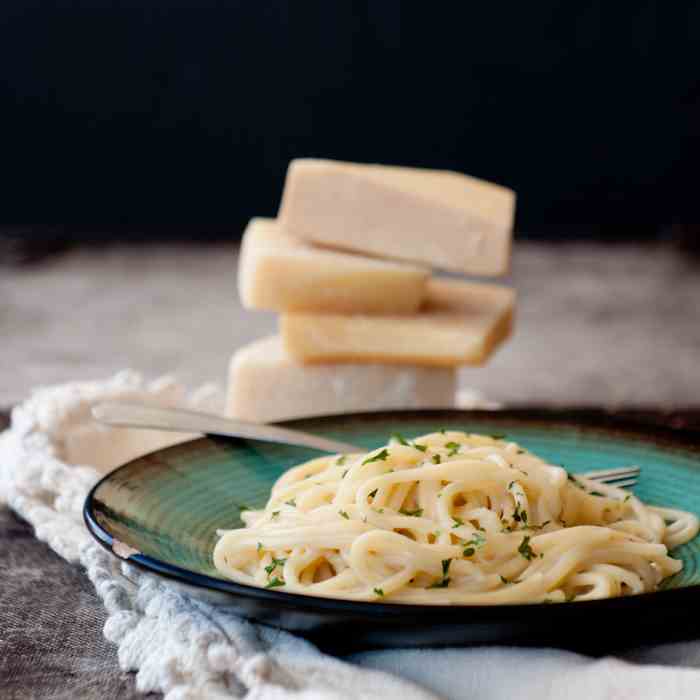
pixel 181 420
pixel 622 477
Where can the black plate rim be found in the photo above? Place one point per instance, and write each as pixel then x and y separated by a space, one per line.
pixel 590 419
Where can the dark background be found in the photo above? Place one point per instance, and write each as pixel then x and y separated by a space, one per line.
pixel 133 120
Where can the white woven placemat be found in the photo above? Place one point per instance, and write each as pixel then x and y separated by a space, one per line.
pixel 49 459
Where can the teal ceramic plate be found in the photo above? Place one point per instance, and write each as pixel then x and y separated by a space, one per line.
pixel 162 511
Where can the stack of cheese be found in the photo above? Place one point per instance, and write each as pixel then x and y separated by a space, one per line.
pixel 365 333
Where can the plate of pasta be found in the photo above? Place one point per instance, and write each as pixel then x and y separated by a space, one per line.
pixel 448 527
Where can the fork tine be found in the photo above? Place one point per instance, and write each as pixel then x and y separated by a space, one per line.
pixel 606 474
pixel 625 483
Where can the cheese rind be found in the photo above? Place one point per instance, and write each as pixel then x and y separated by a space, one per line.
pixel 278 272
pixel 441 218
pixel 461 323
pixel 265 385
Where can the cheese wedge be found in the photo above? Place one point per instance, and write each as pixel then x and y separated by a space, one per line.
pixel 278 272
pixel 435 217
pixel 461 324
pixel 265 384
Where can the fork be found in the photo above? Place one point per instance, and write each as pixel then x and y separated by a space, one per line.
pixel 180 420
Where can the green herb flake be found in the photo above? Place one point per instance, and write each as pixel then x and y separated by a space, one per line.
pixel 627 497
pixel 596 493
pixel 453 448
pixel 525 550
pixel 275 513
pixel 445 566
pixel 436 459
pixel 468 552
pixel 400 439
pixel 275 582
pixel 458 522
pixel 379 457
pixel 379 592
pixel 504 580
pixel 422 448
pixel 443 430
pixel 342 476
pixel 273 565
pixel 344 514
pixel 510 486
pixel 498 436
pixel 341 460
pixel 477 540
pixel 291 502
pixel 444 583
pixel 417 513
pixel 372 494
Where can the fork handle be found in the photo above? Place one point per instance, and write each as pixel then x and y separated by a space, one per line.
pixel 131 415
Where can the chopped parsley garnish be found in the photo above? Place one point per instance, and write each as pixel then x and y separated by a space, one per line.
pixel 458 522
pixel 342 476
pixel 498 436
pixel 275 513
pixel 510 486
pixel 627 497
pixel 341 460
pixel 445 581
pixel 478 540
pixel 539 527
pixel 596 493
pixel 504 580
pixel 273 565
pixel 453 448
pixel 519 515
pixel 525 550
pixel 468 552
pixel 344 514
pixel 379 457
pixel 275 582
pixel 372 494
pixel 400 439
pixel 422 448
pixel 415 513
pixel 379 591
pixel 436 459
pixel 291 502
pixel 521 452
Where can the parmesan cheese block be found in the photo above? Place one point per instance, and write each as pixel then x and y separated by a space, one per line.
pixel 278 272
pixel 266 385
pixel 461 324
pixel 435 217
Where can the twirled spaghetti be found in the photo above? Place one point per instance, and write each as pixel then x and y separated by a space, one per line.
pixel 451 518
